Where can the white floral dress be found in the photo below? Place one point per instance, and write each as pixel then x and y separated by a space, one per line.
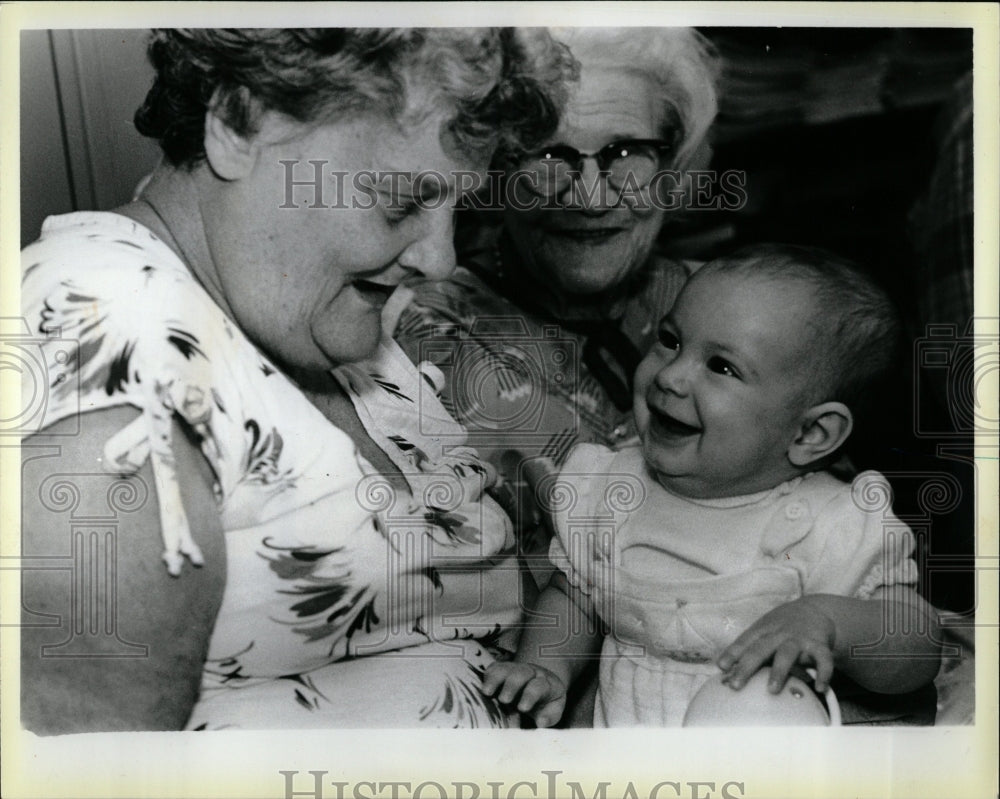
pixel 677 580
pixel 348 603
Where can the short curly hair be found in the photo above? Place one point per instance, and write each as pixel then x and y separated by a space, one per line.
pixel 504 87
pixel 680 61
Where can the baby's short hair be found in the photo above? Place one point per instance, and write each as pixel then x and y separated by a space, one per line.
pixel 857 327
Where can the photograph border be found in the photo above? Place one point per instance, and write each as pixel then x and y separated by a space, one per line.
pixel 871 762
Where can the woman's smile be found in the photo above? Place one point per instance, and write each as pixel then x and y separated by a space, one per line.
pixel 587 234
pixel 375 294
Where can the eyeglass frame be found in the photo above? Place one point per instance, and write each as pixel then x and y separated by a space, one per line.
pixel 576 159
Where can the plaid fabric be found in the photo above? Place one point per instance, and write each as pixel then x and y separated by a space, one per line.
pixel 941 221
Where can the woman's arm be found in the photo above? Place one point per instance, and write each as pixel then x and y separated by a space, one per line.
pixel 887 644
pixel 81 683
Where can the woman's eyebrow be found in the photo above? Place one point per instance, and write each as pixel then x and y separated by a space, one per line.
pixel 400 184
pixel 617 137
pixel 609 139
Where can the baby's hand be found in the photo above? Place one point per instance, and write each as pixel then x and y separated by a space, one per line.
pixel 542 693
pixel 794 633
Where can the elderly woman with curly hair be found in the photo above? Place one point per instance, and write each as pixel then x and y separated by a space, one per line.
pixel 216 373
pixel 547 322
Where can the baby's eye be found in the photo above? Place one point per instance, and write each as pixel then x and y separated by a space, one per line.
pixel 722 367
pixel 669 340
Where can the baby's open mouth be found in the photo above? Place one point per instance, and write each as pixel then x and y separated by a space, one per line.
pixel 666 423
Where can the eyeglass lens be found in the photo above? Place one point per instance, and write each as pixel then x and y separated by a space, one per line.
pixel 626 163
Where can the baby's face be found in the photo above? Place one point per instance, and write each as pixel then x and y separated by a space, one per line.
pixel 721 397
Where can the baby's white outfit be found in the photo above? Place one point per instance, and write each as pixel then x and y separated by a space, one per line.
pixel 677 580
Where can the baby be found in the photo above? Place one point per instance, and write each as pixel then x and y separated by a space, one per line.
pixel 722 542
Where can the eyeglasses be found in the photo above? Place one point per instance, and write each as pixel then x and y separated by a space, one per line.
pixel 550 170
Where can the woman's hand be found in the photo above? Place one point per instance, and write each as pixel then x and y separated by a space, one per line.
pixel 542 694
pixel 796 633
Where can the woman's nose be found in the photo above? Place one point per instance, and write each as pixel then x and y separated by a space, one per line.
pixel 433 252
pixel 591 192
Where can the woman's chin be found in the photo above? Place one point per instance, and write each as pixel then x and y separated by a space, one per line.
pixel 353 351
pixel 586 277
pixel 348 346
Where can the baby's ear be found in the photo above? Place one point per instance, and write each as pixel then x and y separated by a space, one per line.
pixel 823 429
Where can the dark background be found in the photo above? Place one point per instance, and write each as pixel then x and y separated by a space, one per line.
pixel 838 132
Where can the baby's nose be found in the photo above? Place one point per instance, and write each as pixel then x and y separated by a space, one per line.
pixel 673 377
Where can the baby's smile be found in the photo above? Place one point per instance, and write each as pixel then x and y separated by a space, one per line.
pixel 663 425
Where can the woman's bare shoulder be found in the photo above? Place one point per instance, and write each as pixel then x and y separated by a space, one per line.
pixel 109 640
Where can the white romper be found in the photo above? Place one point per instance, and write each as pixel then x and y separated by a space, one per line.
pixel 677 580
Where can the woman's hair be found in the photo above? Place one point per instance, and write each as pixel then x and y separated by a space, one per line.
pixel 503 87
pixel 856 344
pixel 681 61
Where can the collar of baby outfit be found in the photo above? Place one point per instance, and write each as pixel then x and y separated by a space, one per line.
pixel 766 496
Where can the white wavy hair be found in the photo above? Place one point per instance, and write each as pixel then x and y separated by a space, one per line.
pixel 682 62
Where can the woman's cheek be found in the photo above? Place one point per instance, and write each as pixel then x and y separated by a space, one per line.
pixel 643 206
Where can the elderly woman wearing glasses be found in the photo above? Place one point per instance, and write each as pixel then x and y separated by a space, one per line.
pixel 537 337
